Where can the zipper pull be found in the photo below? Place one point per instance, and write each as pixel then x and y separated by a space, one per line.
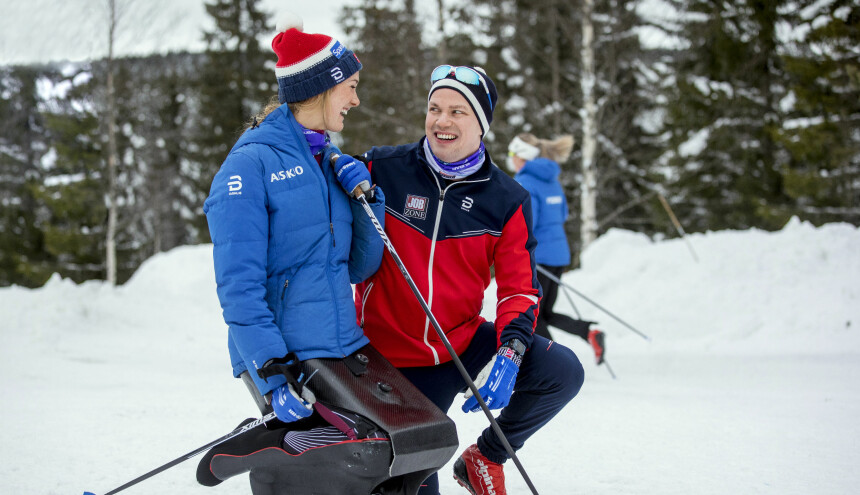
pixel 331 228
pixel 284 291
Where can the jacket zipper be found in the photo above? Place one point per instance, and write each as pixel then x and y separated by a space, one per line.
pixel 430 270
pixel 433 255
pixel 326 167
pixel 364 301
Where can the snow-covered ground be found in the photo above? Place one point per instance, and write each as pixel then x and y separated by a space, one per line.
pixel 748 385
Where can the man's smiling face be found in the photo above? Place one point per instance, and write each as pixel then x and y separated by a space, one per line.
pixel 451 126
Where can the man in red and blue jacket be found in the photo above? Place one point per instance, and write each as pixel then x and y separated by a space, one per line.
pixel 456 220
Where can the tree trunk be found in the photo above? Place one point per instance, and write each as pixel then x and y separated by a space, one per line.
pixel 588 198
pixel 113 159
pixel 555 69
pixel 441 48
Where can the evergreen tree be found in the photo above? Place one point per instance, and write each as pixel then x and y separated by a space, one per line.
pixel 822 166
pixel 129 171
pixel 538 66
pixel 723 115
pixel 148 180
pixel 161 213
pixel 237 79
pixel 478 34
pixel 386 37
pixel 22 146
pixel 626 150
pixel 531 61
pixel 74 189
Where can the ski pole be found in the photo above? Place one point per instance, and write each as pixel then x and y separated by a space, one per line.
pixel 238 431
pixel 609 368
pixel 677 224
pixel 570 300
pixel 359 195
pixel 580 294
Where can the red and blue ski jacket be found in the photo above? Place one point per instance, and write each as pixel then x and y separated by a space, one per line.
pixel 452 237
pixel 288 242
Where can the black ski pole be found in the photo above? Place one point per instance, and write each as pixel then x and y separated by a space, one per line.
pixel 238 431
pixel 570 300
pixel 580 294
pixel 609 368
pixel 358 193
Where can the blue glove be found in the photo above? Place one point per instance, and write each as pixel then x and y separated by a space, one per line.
pixel 289 406
pixel 352 174
pixel 496 381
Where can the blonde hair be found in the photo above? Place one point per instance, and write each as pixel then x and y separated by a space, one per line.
pixel 557 150
pixel 295 107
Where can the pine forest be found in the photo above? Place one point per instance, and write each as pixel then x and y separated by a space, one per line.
pixel 744 115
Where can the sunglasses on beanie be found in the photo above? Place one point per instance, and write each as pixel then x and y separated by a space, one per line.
pixel 465 75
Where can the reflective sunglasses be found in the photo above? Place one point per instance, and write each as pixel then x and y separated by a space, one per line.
pixel 465 75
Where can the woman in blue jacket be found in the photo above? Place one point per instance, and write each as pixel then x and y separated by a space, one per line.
pixel 288 239
pixel 536 164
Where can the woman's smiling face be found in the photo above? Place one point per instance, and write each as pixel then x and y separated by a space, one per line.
pixel 343 97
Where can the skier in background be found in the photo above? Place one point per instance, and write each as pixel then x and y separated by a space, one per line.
pixel 536 164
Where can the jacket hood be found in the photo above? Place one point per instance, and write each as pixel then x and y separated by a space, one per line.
pixel 272 131
pixel 543 169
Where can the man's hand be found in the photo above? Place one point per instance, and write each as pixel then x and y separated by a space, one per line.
pixel 496 381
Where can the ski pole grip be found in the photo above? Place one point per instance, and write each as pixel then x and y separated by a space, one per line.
pixel 361 188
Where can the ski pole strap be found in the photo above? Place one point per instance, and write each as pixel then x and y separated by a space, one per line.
pixel 288 366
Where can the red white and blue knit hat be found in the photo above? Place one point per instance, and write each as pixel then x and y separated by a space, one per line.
pixel 308 64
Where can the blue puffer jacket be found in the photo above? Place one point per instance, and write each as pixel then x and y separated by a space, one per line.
pixel 288 242
pixel 549 210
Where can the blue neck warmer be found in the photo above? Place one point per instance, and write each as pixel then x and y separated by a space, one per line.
pixel 316 139
pixel 459 169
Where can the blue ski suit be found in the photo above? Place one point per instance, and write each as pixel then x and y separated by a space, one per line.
pixel 549 210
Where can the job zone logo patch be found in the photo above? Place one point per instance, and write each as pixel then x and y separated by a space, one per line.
pixel 416 207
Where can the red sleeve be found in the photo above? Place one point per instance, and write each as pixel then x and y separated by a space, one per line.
pixel 518 290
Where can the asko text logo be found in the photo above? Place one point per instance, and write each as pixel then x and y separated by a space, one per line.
pixel 287 174
pixel 416 207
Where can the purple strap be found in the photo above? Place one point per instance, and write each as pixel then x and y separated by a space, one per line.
pixel 335 420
